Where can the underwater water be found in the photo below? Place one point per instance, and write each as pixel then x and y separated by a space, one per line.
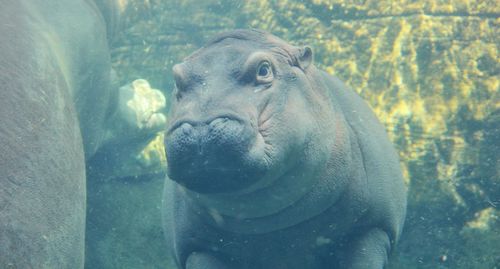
pixel 430 71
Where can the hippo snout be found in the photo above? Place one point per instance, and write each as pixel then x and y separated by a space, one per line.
pixel 220 131
pixel 207 154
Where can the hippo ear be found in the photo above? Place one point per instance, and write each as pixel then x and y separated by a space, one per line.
pixel 305 57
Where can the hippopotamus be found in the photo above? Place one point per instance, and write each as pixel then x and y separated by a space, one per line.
pixel 273 163
pixel 59 106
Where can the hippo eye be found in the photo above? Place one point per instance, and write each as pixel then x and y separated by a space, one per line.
pixel 264 69
pixel 264 72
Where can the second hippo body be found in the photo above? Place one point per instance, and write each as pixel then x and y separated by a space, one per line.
pixel 275 164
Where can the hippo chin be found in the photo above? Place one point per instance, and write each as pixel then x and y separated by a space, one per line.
pixel 275 164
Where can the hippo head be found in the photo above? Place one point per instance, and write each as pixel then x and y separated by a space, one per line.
pixel 240 114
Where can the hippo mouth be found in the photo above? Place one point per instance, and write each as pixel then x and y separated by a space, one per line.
pixel 214 154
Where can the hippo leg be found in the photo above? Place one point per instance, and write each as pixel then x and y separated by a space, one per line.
pixel 200 260
pixel 368 251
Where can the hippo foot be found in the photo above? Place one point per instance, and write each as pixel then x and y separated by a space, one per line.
pixel 199 260
pixel 368 251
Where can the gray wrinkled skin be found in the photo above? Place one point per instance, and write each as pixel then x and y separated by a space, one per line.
pixel 275 164
pixel 56 101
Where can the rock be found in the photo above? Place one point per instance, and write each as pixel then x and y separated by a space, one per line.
pixel 139 114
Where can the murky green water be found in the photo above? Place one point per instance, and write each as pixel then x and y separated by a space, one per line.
pixel 430 70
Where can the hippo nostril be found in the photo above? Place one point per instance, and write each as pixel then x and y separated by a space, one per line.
pixel 186 128
pixel 225 124
pixel 218 122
